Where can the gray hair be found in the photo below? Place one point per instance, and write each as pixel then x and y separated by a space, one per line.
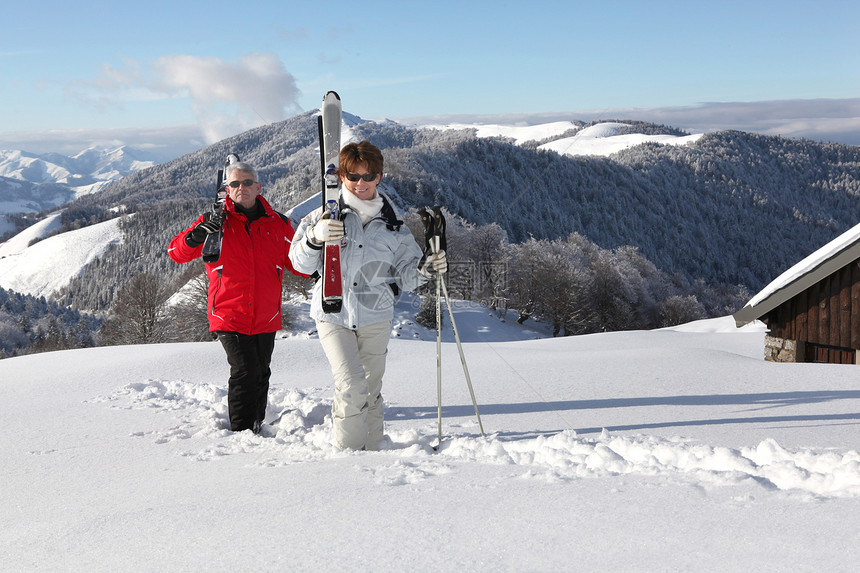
pixel 240 166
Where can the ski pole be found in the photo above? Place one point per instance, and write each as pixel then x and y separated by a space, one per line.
pixel 432 243
pixel 434 237
pixel 439 353
pixel 441 281
pixel 440 244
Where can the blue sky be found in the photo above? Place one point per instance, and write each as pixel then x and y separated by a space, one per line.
pixel 126 67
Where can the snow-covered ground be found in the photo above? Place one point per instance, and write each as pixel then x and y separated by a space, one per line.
pixel 19 243
pixel 667 450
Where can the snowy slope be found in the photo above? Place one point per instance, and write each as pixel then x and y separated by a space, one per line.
pixel 669 450
pixel 19 243
pixel 603 139
pixel 48 265
pixel 519 133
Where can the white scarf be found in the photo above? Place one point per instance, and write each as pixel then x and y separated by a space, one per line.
pixel 367 210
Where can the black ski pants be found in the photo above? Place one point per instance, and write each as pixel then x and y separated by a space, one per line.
pixel 249 356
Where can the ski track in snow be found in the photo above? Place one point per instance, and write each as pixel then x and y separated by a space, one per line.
pixel 302 430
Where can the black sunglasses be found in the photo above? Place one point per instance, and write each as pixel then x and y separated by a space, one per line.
pixel 367 176
pixel 245 182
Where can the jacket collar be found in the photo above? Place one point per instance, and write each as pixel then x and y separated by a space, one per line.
pixel 268 210
pixel 387 213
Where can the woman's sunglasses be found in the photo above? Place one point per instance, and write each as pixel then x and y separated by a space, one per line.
pixel 366 177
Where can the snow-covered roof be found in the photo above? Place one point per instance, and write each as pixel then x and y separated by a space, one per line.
pixel 825 261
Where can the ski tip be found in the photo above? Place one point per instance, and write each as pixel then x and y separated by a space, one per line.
pixel 331 93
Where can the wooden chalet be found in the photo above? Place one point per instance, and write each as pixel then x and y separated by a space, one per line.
pixel 812 311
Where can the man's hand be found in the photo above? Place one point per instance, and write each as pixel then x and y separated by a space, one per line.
pixel 203 230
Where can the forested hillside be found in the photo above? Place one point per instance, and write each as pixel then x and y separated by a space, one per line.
pixel 30 324
pixel 732 209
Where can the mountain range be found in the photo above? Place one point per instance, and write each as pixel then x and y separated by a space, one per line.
pixel 731 207
pixel 32 182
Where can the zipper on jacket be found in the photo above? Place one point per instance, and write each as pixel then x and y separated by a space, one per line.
pixel 216 290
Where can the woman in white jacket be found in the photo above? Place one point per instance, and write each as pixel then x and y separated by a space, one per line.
pixel 378 255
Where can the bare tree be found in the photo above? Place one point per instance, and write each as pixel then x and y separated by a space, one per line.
pixel 678 309
pixel 139 314
pixel 189 311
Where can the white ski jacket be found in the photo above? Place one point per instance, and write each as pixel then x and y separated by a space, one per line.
pixel 374 257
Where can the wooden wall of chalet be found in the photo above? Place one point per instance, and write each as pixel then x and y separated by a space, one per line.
pixel 826 316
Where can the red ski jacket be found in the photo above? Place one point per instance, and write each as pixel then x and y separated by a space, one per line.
pixel 245 282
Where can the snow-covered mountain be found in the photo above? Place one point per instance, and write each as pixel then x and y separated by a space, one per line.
pixel 32 182
pixel 727 208
pixel 606 138
pixel 19 196
pixel 37 267
pixel 46 266
pixel 600 139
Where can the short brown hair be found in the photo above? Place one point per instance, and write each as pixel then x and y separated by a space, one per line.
pixel 353 155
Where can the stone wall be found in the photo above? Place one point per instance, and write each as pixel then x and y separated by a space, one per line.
pixel 782 349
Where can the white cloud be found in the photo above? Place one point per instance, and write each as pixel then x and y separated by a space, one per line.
pixel 257 88
pixel 227 97
pixel 825 119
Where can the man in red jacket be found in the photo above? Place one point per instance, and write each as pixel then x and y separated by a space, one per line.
pixel 244 302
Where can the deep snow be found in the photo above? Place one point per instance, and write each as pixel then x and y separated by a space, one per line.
pixel 667 450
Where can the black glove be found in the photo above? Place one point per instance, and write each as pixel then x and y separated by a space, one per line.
pixel 200 231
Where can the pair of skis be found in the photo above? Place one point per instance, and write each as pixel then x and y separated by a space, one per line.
pixel 434 242
pixel 212 245
pixel 329 132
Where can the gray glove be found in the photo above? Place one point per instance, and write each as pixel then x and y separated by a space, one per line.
pixel 435 263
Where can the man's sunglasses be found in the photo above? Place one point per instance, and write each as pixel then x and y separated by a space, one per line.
pixel 367 176
pixel 245 182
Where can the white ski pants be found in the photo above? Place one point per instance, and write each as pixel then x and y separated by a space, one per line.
pixel 357 359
